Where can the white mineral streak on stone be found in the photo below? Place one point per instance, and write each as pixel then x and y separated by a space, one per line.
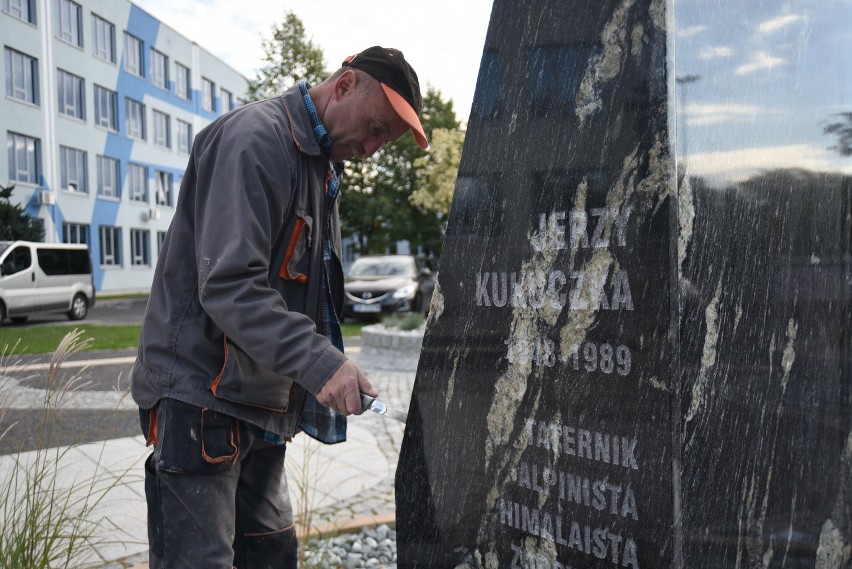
pixel 835 549
pixel 686 217
pixel 814 259
pixel 789 353
pixel 436 308
pixel 708 356
pixel 738 313
pixel 636 40
pixel 658 14
pixel 740 532
pixel 831 553
pixel 451 382
pixel 658 384
pixel 605 66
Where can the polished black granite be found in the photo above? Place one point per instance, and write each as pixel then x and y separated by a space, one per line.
pixel 639 351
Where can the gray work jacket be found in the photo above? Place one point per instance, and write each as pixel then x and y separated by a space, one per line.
pixel 230 321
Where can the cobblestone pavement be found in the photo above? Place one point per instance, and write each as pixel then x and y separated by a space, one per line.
pixel 395 390
pixel 376 494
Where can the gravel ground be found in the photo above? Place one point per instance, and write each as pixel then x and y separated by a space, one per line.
pixel 372 548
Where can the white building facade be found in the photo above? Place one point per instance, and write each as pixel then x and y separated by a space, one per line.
pixel 101 105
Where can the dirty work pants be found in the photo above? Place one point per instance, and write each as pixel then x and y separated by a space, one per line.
pixel 217 495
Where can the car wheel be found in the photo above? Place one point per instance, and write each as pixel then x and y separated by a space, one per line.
pixel 19 319
pixel 2 313
pixel 79 308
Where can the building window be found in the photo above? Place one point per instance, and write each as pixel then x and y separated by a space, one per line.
pixel 209 88
pixel 21 9
pixel 106 103
pixel 162 129
pixel 71 92
pixel 161 238
pixel 135 115
pixel 21 76
pixel 72 164
pixel 159 69
pixel 69 22
pixel 183 82
pixel 110 245
pixel 139 255
pixel 109 176
pixel 134 55
pixel 227 101
pixel 24 158
pixel 137 183
pixel 164 187
pixel 103 39
pixel 75 233
pixel 184 136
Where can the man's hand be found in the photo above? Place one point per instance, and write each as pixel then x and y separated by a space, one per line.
pixel 342 391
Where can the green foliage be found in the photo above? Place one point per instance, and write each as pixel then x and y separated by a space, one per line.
pixel 406 322
pixel 376 208
pixel 288 58
pixel 43 524
pixel 15 224
pixel 43 339
pixel 437 171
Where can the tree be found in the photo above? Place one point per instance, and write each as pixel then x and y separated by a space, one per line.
pixel 15 224
pixel 288 58
pixel 843 130
pixel 376 209
pixel 436 172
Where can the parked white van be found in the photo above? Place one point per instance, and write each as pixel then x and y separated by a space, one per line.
pixel 45 277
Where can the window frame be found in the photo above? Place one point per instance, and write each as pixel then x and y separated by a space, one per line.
pixel 137 174
pixel 104 53
pixel 34 160
pixel 130 123
pixel 73 19
pixel 80 231
pixel 76 91
pixel 183 81
pixel 111 116
pixel 159 69
pixel 140 247
pixel 28 66
pixel 162 129
pixel 80 170
pixel 28 6
pixel 115 177
pixel 134 45
pixel 110 249
pixel 208 102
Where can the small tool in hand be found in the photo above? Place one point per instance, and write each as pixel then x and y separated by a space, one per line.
pixel 376 406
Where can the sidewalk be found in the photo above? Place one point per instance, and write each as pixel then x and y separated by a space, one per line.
pixel 345 486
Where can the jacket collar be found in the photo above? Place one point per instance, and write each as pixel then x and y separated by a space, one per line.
pixel 300 122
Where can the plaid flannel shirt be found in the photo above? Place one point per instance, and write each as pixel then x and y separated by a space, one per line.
pixel 316 420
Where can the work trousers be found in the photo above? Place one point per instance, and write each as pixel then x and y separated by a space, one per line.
pixel 217 494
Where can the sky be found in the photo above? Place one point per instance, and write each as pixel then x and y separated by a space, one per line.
pixel 442 39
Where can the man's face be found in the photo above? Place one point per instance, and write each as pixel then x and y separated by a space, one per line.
pixel 360 119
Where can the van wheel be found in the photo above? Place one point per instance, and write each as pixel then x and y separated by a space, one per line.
pixel 19 319
pixel 79 308
pixel 2 313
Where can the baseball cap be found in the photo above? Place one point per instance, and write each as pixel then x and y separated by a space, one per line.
pixel 399 82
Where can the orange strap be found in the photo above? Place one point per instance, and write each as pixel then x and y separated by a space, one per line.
pixel 153 435
pixel 284 271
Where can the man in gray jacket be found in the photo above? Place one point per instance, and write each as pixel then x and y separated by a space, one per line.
pixel 241 346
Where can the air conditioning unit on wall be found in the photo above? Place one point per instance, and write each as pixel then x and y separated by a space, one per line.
pixel 45 197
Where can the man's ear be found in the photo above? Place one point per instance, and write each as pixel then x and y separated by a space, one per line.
pixel 345 83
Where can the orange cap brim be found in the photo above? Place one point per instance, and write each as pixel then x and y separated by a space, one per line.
pixel 406 113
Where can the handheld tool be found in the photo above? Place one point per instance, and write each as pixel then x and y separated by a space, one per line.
pixel 372 404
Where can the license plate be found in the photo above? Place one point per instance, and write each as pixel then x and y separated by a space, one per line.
pixel 366 308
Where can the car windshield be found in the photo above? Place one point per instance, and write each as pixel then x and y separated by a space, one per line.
pixel 382 267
